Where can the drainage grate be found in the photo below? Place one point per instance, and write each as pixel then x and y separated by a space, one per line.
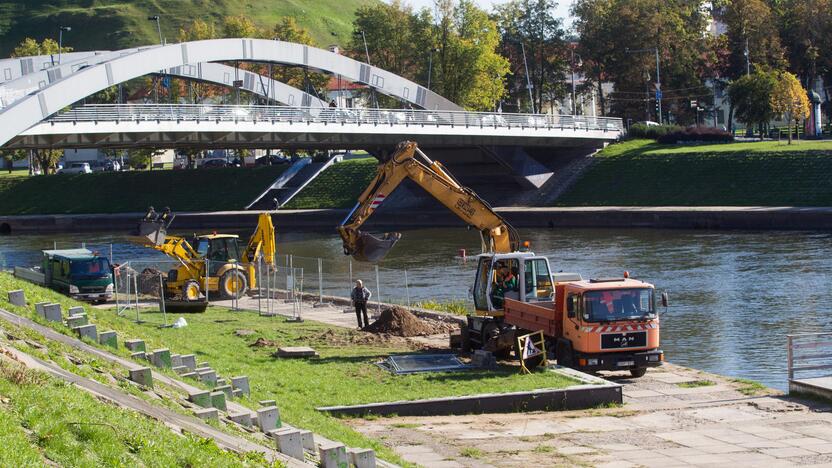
pixel 413 363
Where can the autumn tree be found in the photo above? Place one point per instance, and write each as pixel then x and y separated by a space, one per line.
pixel 751 97
pixel 29 47
pixel 788 98
pixel 239 26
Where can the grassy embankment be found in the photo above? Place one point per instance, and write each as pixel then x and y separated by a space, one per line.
pixel 114 24
pixel 338 186
pixel 134 191
pixel 345 373
pixel 644 173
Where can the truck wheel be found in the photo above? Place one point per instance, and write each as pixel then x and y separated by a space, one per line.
pixel 636 373
pixel 563 353
pixel 190 291
pixel 233 284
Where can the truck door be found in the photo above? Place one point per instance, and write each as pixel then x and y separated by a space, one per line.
pixel 537 281
pixel 481 285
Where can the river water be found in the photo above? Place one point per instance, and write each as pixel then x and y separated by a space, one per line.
pixel 734 295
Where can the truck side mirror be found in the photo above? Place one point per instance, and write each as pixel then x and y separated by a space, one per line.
pixel 665 301
pixel 570 306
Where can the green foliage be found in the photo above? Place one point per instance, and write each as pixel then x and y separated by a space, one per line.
pixel 696 383
pixel 643 173
pixel 118 192
pixel 454 306
pixel 751 22
pixel 751 97
pixel 141 158
pixel 29 46
pixel 338 186
pixel 652 132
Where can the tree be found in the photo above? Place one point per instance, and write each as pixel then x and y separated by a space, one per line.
pixel 805 27
pixel 140 158
pixel 390 31
pixel 287 29
pixel 239 26
pixel 29 47
pixel 789 99
pixel 197 30
pixel 47 159
pixel 751 99
pixel 10 156
pixel 532 23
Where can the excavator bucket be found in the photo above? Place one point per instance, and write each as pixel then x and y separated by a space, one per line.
pixel 154 227
pixel 372 249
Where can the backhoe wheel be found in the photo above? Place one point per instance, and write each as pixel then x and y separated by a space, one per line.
pixel 190 291
pixel 636 373
pixel 233 284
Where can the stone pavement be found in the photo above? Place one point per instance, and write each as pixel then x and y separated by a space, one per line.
pixel 670 418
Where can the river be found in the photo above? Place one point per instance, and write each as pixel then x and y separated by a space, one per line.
pixel 734 295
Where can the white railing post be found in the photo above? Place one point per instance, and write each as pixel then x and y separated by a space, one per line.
pixel 790 358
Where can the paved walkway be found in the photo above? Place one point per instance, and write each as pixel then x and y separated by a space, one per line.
pixel 668 420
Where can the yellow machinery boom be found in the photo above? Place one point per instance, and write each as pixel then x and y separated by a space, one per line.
pixel 408 161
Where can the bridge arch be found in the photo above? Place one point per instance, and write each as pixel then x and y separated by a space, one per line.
pixel 37 106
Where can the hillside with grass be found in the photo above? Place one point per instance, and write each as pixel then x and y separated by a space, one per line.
pixel 336 187
pixel 645 173
pixel 115 24
pixel 122 192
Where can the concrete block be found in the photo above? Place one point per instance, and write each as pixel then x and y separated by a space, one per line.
pixel 288 442
pixel 296 352
pixel 225 389
pixel 236 393
pixel 268 418
pixel 52 313
pixel 161 358
pixel 76 321
pixel 201 398
pixel 208 376
pixel 307 439
pixel 268 403
pixel 39 308
pixel 221 382
pixel 142 376
pixel 218 400
pixel 189 361
pixel 135 345
pixel 202 364
pixel 175 360
pixel 242 418
pixel 76 310
pixel 140 355
pixel 333 455
pixel 180 370
pixel 108 338
pixel 362 458
pixel 208 414
pixel 241 383
pixel 87 331
pixel 484 359
pixel 17 297
pixel 190 375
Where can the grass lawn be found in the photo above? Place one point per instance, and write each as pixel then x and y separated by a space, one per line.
pixel 14 174
pixel 645 173
pixel 345 373
pixel 338 186
pixel 134 191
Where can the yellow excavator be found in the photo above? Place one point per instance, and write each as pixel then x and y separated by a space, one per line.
pixel 212 263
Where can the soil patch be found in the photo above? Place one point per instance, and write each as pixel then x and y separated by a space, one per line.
pixel 400 322
pixel 264 343
pixel 149 283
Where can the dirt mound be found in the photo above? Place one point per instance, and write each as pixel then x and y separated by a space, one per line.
pixel 264 343
pixel 400 322
pixel 149 283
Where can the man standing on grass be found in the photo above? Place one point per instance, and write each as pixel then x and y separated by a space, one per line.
pixel 360 295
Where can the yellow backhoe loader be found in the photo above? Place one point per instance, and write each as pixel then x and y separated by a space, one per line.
pixel 212 263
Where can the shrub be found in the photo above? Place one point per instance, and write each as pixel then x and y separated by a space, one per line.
pixel 698 134
pixel 652 132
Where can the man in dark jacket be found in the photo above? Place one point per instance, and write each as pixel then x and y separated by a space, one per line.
pixel 359 296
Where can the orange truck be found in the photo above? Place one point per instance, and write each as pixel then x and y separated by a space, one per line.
pixel 593 325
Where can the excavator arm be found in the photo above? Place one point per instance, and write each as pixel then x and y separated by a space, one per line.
pixel 410 162
pixel 262 241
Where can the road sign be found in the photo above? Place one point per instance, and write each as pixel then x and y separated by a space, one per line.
pixel 694 104
pixel 658 94
pixel 166 82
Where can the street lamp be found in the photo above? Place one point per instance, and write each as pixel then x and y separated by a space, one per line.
pixel 528 79
pixel 61 40
pixel 430 65
pixel 747 60
pixel 366 50
pixel 574 102
pixel 158 27
pixel 658 76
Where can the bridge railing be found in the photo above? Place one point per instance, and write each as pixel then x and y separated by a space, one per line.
pixel 334 115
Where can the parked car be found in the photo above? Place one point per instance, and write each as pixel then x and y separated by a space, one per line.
pixel 112 166
pixel 272 160
pixel 76 168
pixel 213 163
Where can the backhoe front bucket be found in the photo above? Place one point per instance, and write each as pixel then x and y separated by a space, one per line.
pixel 372 249
pixel 154 230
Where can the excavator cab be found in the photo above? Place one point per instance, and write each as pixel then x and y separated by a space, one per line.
pixel 522 276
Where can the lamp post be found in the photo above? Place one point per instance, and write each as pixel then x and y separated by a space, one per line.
pixel 158 27
pixel 430 65
pixel 61 31
pixel 655 50
pixel 574 102
pixel 366 50
pixel 747 59
pixel 528 79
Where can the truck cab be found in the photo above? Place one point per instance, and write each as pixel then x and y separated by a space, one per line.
pixel 607 324
pixel 79 273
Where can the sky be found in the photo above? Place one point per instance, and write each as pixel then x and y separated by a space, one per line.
pixel 562 10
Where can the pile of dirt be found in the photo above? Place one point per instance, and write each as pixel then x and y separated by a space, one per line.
pixel 264 343
pixel 148 282
pixel 400 322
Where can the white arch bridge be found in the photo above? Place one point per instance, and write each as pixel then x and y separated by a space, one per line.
pixel 36 92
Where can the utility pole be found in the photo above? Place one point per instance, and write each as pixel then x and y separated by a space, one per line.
pixel 430 65
pixel 574 102
pixel 366 50
pixel 655 50
pixel 61 40
pixel 528 79
pixel 158 27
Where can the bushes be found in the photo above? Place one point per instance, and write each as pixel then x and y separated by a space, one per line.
pixel 652 132
pixel 698 134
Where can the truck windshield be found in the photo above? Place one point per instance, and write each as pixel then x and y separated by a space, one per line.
pixel 93 268
pixel 618 304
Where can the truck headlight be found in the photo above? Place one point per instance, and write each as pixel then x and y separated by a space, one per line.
pixel 109 289
pixel 73 289
pixel 654 357
pixel 592 362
